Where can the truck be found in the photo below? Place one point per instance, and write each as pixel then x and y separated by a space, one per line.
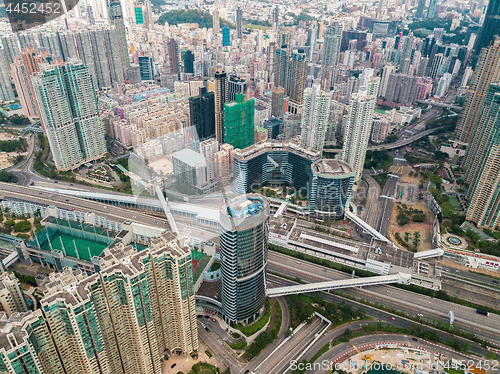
pixel 482 312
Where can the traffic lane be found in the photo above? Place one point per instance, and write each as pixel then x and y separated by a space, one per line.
pixel 280 361
pixel 219 348
pixel 472 276
pixel 397 298
pixel 342 348
pixel 397 321
pixel 403 300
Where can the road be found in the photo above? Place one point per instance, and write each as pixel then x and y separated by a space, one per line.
pixel 372 200
pixel 383 214
pixel 378 315
pixel 280 362
pixel 403 141
pixel 220 349
pixel 47 198
pixel 434 309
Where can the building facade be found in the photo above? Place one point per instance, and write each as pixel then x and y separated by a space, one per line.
pixel 239 122
pixel 315 117
pixel 124 319
pixel 69 114
pixel 244 231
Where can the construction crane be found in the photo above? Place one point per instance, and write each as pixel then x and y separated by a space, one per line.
pixel 365 357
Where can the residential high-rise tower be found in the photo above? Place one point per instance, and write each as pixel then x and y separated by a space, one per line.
pixel 359 126
pixel 69 114
pixel 487 71
pixel 315 116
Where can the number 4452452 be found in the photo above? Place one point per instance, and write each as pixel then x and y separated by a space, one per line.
pixel 33 8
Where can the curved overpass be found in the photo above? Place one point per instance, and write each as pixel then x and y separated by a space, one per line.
pixel 398 144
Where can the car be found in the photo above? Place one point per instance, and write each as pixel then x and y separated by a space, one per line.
pixel 173 365
pixel 420 315
pixel 246 372
pixel 207 329
pixel 388 291
pixel 324 270
pixel 414 339
pixel 199 316
pixel 298 262
pixel 214 320
pixel 495 281
pixel 457 271
pixel 393 318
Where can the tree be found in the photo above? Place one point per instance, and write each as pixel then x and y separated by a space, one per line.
pixel 8 177
pixel 391 139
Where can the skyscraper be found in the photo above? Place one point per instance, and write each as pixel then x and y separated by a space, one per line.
pixel 333 38
pixel 173 56
pixel 116 17
pixel 6 92
pixel 358 129
pixel 226 37
pixel 420 9
pixel 315 116
pixel 202 113
pixel 244 230
pixel 11 48
pixel 24 89
pixel 276 15
pixel 69 114
pixel 124 319
pixel 239 22
pixel 482 160
pixel 239 122
pixel 49 40
pixel 216 22
pixel 146 68
pixel 404 61
pixel 68 45
pixel 487 71
pixel 235 85
pixel 113 53
pixel 84 50
pixel 101 62
pixel 278 95
pixel 490 28
pixel 188 62
pixel 431 11
pixel 296 80
pixel 220 98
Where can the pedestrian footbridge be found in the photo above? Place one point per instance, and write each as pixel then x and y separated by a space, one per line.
pixel 401 278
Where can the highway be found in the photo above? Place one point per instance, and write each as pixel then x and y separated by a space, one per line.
pixel 383 214
pixel 113 213
pixel 372 201
pixel 466 318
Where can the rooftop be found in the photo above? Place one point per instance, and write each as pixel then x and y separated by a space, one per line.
pixel 331 167
pixel 190 157
pixel 273 146
pixel 245 206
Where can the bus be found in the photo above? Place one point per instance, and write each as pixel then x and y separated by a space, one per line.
pixel 482 312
